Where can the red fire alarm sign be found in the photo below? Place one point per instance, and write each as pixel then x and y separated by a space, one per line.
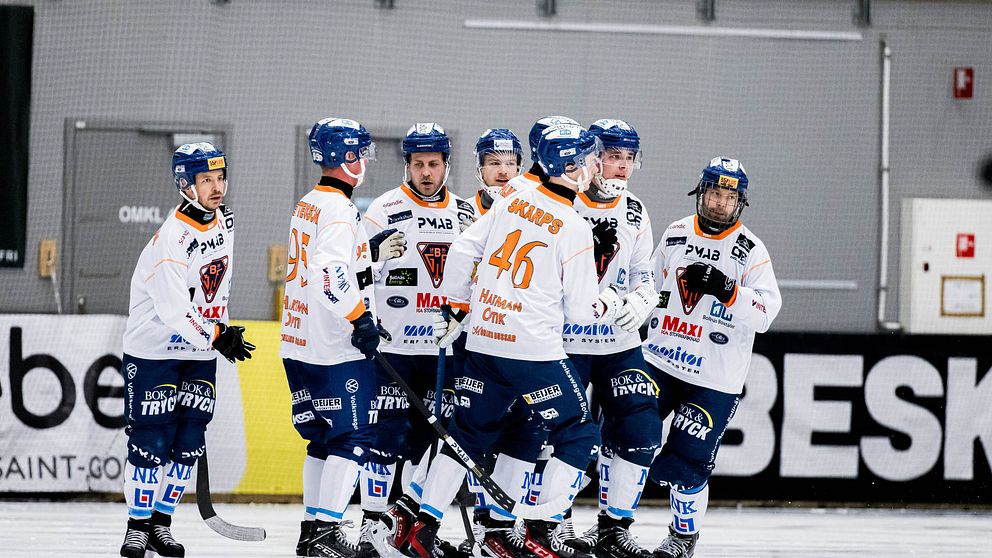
pixel 966 245
pixel 964 81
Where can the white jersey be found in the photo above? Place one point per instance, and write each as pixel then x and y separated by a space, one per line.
pixel 407 288
pixel 328 278
pixel 180 288
pixel 535 272
pixel 693 336
pixel 626 268
pixel 521 183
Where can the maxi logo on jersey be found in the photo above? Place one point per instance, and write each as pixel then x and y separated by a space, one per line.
pixel 689 298
pixel 675 327
pixel 429 302
pixel 211 276
pixel 434 255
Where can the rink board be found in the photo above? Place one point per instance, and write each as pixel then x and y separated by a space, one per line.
pixel 824 417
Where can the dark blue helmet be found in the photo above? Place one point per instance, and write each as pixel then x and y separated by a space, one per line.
pixel 617 134
pixel 190 159
pixel 542 125
pixel 497 140
pixel 566 147
pixel 336 141
pixel 728 174
pixel 426 137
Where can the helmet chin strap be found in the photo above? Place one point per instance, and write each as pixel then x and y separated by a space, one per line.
pixel 194 201
pixel 582 184
pixel 360 177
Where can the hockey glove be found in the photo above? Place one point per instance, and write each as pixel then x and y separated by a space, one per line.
pixel 231 344
pixel 386 245
pixel 608 304
pixel 636 307
pixel 365 337
pixel 704 278
pixel 448 326
pixel 604 240
pixel 464 222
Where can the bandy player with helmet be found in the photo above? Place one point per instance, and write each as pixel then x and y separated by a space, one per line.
pixel 610 355
pixel 718 289
pixel 177 323
pixel 498 155
pixel 535 270
pixel 424 212
pixel 329 333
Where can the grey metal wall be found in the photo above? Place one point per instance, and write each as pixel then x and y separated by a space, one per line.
pixel 803 116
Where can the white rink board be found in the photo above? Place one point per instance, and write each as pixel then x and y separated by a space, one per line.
pixel 96 529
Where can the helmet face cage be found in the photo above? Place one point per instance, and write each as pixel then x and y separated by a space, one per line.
pixel 191 159
pixel 727 175
pixel 497 147
pixel 540 126
pixel 337 141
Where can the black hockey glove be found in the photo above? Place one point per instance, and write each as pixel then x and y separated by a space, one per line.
pixel 365 338
pixel 704 278
pixel 604 240
pixel 231 344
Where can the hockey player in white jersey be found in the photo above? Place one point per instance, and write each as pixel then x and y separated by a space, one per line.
pixel 717 289
pixel 425 213
pixel 609 355
pixel 329 333
pixel 534 273
pixel 176 326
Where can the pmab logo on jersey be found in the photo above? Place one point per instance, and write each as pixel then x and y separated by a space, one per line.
pixel 693 420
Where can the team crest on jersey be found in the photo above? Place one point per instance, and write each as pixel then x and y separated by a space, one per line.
pixel 211 276
pixel 434 254
pixel 603 262
pixel 689 298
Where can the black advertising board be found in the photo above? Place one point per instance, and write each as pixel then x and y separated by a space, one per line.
pixel 876 419
pixel 16 30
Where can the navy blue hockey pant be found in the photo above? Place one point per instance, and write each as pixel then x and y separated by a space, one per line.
pixel 333 407
pixel 551 389
pixel 701 417
pixel 402 432
pixel 627 395
pixel 167 404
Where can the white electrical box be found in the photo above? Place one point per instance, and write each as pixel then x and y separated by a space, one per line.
pixel 946 266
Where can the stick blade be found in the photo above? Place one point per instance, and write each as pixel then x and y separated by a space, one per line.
pixel 235 532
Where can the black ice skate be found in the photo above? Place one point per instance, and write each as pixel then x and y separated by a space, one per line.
pixel 420 541
pixel 136 539
pixel 501 540
pixel 365 547
pixel 329 541
pixel 540 542
pixel 615 540
pixel 160 538
pixel 587 542
pixel 307 527
pixel 677 545
pixel 565 531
